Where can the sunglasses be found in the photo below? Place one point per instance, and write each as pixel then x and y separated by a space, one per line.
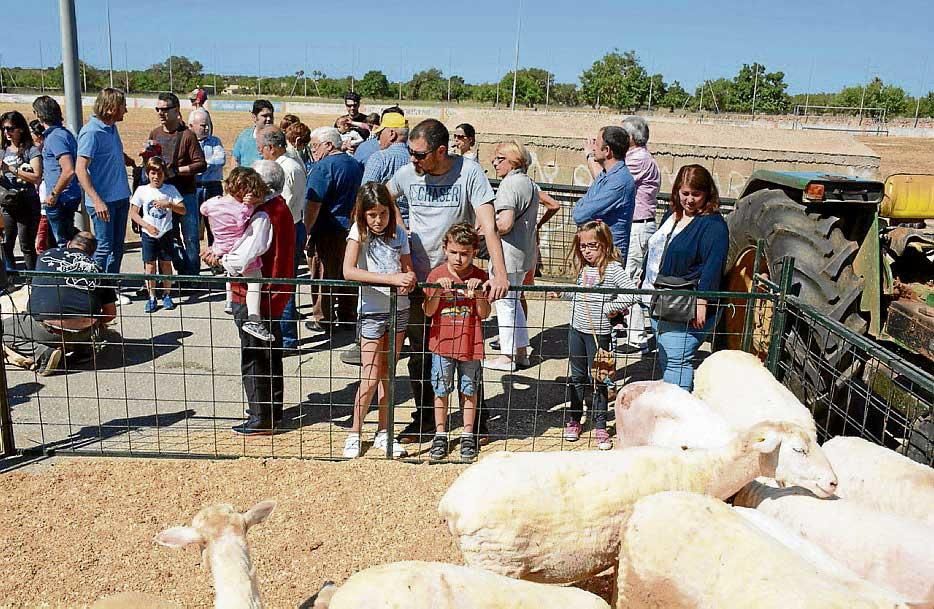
pixel 164 110
pixel 8 128
pixel 419 155
pixel 498 159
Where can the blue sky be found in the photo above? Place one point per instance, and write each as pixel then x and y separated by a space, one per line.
pixel 827 44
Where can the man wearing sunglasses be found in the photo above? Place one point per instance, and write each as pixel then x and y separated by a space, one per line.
pixel 357 119
pixel 244 150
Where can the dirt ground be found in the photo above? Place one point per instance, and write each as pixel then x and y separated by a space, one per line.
pixel 902 154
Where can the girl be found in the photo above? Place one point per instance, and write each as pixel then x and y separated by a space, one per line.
pixel 597 261
pixel 377 253
pixel 228 216
pixel 21 173
pixel 151 208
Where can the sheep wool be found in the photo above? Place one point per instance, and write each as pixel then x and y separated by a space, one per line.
pixel 687 550
pixel 880 478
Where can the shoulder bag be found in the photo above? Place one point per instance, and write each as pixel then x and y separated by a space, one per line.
pixel 672 307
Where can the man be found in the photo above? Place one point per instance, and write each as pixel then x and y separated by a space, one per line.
pixel 612 196
pixel 59 150
pixel 368 148
pixel 244 150
pixel 442 190
pixel 647 177
pixel 184 160
pixel 209 183
pixel 269 236
pixel 272 146
pixel 357 118
pixel 332 190
pixel 63 313
pixel 198 98
pixel 393 137
pixel 100 169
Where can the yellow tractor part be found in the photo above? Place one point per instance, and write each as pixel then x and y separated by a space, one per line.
pixel 908 197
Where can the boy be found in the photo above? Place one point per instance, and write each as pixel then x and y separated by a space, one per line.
pixel 156 200
pixel 456 336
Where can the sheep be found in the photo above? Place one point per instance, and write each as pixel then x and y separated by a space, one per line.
pixel 881 478
pixel 432 585
pixel 683 550
pixel 886 549
pixel 555 517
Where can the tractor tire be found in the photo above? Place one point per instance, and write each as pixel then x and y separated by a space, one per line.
pixel 816 361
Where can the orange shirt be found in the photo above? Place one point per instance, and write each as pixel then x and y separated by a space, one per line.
pixel 456 327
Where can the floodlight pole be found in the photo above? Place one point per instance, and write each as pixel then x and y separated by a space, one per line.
pixel 515 72
pixel 110 47
pixel 70 79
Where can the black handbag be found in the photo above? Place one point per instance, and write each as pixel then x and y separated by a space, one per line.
pixel 677 308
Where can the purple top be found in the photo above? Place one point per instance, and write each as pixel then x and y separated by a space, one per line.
pixel 644 171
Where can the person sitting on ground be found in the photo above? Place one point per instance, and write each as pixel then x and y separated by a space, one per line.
pixel 64 312
pixel 151 208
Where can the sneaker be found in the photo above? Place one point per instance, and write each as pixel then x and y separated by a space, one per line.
pixel 122 300
pixel 258 330
pixel 523 361
pixel 51 364
pixel 312 325
pixel 352 446
pixel 382 439
pixel 439 448
pixel 351 355
pixel 626 348
pixel 255 426
pixel 151 306
pixel 572 431
pixel 228 308
pixel 500 363
pixel 602 437
pixel 167 303
pixel 468 447
pixel 494 344
pixel 415 430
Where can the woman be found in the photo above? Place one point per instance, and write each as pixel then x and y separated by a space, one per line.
pixel 465 141
pixel 297 137
pixel 21 169
pixel 516 206
pixel 59 154
pixel 691 244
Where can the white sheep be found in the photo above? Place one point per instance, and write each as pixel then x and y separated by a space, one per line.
pixel 432 585
pixel 681 550
pixel 886 549
pixel 881 478
pixel 555 517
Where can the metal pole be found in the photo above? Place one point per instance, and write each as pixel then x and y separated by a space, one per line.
pixel 391 370
pixel 171 75
pixel 1 73
pixel 41 69
pixel 305 83
pixel 110 47
pixel 547 89
pixel 259 70
pixel 515 72
pixel 450 71
pixel 126 66
pixel 651 85
pixel 778 319
pixel 70 82
pixel 755 89
pixel 215 69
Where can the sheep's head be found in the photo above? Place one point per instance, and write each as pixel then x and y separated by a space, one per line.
pixel 791 455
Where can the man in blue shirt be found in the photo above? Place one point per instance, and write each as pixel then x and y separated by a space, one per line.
pixel 332 190
pixel 101 171
pixel 245 152
pixel 612 196
pixel 58 170
pixel 393 137
pixel 370 147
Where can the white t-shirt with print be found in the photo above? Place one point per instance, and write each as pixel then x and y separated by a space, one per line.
pixel 378 255
pixel 145 197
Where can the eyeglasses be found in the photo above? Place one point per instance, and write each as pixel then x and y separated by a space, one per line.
pixel 8 128
pixel 419 155
pixel 457 136
pixel 164 110
pixel 498 159
pixel 592 245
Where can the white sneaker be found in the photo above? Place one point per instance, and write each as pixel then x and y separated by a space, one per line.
pixel 382 439
pixel 122 300
pixel 352 446
pixel 258 330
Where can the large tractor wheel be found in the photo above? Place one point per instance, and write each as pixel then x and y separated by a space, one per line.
pixel 823 278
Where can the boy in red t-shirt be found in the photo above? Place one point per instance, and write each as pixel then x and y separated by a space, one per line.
pixel 456 336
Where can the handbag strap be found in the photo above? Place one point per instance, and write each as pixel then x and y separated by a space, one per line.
pixel 661 262
pixel 593 331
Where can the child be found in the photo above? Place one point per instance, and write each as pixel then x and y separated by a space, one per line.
pixel 151 208
pixel 350 139
pixel 597 261
pixel 456 336
pixel 228 216
pixel 377 253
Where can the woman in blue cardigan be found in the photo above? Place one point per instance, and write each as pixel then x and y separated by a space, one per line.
pixel 696 251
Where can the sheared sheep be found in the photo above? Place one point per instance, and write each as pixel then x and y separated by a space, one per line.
pixel 681 550
pixel 432 585
pixel 555 517
pixel 881 478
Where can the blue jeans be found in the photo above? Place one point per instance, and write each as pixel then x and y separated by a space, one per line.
pixel 677 344
pixel 189 224
pixel 289 320
pixel 62 221
pixel 111 236
pixel 582 349
pixel 444 381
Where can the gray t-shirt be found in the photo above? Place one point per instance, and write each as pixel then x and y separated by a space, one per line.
pixel 438 202
pixel 519 193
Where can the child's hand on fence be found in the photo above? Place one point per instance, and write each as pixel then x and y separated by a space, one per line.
pixel 700 316
pixel 405 282
pixel 446 283
pixel 552 295
pixel 472 285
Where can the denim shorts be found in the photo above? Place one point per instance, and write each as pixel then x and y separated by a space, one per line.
pixel 442 375
pixel 373 326
pixel 158 248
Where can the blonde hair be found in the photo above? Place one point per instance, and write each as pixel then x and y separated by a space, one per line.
pixel 516 153
pixel 604 237
pixel 108 103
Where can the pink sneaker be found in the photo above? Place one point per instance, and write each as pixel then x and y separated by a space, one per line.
pixel 602 437
pixel 572 431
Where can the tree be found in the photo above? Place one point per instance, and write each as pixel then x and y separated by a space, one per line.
pixel 374 84
pixel 530 86
pixel 675 97
pixel 926 107
pixel 617 80
pixel 768 89
pixel 565 94
pixel 428 84
pixel 875 94
pixel 714 95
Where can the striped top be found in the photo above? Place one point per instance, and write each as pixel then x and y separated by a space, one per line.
pixel 589 311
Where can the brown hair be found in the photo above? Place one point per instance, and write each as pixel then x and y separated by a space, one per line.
pixel 369 196
pixel 155 162
pixel 298 134
pixel 287 121
pixel 462 234
pixel 604 238
pixel 243 181
pixel 108 101
pixel 695 177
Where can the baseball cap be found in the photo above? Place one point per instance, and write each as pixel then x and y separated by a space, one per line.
pixel 392 120
pixel 199 95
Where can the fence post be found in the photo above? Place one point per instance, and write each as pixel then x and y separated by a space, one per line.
pixel 748 325
pixel 391 373
pixel 7 441
pixel 778 319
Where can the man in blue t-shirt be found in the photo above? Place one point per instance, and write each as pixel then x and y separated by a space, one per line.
pixel 59 151
pixel 245 152
pixel 332 189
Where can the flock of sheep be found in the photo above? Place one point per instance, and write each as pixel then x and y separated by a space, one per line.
pixel 845 525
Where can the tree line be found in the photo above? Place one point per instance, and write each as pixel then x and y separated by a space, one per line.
pixel 616 81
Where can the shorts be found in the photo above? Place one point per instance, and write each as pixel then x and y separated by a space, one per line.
pixel 442 375
pixel 373 326
pixel 158 248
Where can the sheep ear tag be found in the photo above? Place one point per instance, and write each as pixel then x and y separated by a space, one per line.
pixel 767 442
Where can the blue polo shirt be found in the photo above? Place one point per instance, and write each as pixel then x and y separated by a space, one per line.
pixel 612 199
pixel 244 150
pixel 381 166
pixel 101 143
pixel 367 149
pixel 59 142
pixel 333 182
